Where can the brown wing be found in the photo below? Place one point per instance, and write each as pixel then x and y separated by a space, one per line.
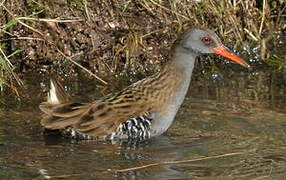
pixel 100 118
pixel 103 118
pixel 60 116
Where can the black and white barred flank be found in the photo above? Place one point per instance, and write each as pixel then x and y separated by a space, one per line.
pixel 71 133
pixel 134 129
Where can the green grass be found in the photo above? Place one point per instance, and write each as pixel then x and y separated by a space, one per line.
pixel 7 75
pixel 277 61
pixel 78 4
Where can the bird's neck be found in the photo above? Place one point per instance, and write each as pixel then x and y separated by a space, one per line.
pixel 178 69
pixel 174 81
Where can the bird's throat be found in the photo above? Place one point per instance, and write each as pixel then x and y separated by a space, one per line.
pixel 174 81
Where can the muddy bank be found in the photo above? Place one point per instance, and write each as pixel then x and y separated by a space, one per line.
pixel 110 37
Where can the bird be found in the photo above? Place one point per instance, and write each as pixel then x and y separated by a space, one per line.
pixel 142 110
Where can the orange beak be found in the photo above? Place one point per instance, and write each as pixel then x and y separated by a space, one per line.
pixel 225 53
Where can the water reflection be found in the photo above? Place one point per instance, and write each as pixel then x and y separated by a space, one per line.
pixel 224 112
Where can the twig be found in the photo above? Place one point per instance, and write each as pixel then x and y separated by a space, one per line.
pixel 152 32
pixel 6 58
pixel 79 65
pixel 2 2
pixel 10 68
pixel 178 162
pixel 31 28
pixel 66 176
pixel 86 10
pixel 263 17
pixel 49 20
pixel 250 34
pixel 22 38
pixel 178 14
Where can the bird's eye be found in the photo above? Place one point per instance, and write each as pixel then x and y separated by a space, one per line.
pixel 206 40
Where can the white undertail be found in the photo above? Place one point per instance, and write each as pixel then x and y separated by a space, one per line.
pixel 52 95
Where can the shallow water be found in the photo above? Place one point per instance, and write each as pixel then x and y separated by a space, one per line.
pixel 225 112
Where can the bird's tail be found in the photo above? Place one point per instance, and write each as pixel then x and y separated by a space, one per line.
pixel 58 111
pixel 57 94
